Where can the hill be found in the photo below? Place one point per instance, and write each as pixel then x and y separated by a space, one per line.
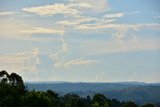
pixel 123 91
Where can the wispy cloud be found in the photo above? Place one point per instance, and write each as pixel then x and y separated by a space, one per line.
pixel 73 8
pixel 41 30
pixel 115 15
pixel 75 62
pixel 58 55
pixel 71 34
pixel 119 26
pixel 77 21
pixel 103 47
pixel 49 10
pixel 16 29
pixel 7 13
pixel 95 6
pixel 14 62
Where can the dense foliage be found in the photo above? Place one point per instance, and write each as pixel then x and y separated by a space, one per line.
pixel 14 94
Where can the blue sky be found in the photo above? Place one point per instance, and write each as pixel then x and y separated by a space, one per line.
pixel 81 40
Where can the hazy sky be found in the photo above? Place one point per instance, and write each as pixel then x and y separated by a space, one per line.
pixel 81 40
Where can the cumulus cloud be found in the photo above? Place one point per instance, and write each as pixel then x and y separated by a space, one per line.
pixel 35 63
pixel 38 64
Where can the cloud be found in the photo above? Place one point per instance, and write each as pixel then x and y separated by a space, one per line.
pixel 38 64
pixel 100 6
pixel 41 30
pixel 58 55
pixel 115 15
pixel 15 29
pixel 73 8
pixel 100 76
pixel 35 63
pixel 75 62
pixel 7 13
pixel 54 9
pixel 128 45
pixel 80 61
pixel 13 62
pixel 78 21
pixel 80 6
pixel 106 21
pixel 133 13
pixel 119 26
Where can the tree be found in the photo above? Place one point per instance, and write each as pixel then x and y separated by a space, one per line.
pixel 37 99
pixel 87 101
pixel 99 100
pixel 73 100
pixel 4 77
pixel 52 94
pixel 54 98
pixel 15 79
pixel 115 103
pixel 148 105
pixel 129 104
pixel 11 89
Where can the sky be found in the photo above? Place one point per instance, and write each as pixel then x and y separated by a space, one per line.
pixel 81 40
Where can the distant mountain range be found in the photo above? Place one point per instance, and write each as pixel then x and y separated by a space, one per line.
pixel 138 92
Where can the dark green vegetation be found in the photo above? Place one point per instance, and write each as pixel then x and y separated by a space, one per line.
pixel 14 94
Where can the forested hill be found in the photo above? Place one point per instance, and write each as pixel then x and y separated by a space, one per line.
pixel 14 93
pixel 123 91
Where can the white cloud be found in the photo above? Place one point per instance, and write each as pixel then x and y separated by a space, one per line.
pixel 35 63
pixel 80 61
pixel 7 13
pixel 115 15
pixel 75 62
pixel 77 21
pixel 48 10
pixel 80 6
pixel 100 26
pixel 38 66
pixel 100 6
pixel 58 55
pixel 15 29
pixel 41 30
pixel 119 26
pixel 100 76
pixel 73 8
pixel 68 23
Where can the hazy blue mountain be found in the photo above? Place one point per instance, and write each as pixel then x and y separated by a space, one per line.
pixel 138 92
